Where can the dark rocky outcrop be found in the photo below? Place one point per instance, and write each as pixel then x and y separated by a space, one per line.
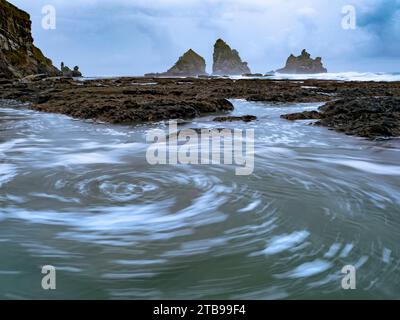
pixel 18 55
pixel 306 115
pixel 247 118
pixel 303 64
pixel 190 64
pixel 228 61
pixel 67 72
pixel 133 109
pixel 369 117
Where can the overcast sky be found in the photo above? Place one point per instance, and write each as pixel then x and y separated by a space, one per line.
pixel 132 37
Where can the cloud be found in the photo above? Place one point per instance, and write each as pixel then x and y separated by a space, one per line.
pixel 381 19
pixel 138 36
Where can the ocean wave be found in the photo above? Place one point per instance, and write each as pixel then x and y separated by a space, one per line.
pixel 339 76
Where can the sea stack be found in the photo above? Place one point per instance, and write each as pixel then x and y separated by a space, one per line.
pixel 67 72
pixel 227 61
pixel 190 64
pixel 18 55
pixel 303 64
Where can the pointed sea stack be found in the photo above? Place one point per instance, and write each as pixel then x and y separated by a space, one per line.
pixel 303 64
pixel 228 61
pixel 190 64
pixel 18 55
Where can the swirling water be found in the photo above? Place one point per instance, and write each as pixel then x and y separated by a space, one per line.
pixel 81 197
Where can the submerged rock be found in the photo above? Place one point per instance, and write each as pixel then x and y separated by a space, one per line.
pixel 247 118
pixel 303 64
pixel 228 61
pixel 18 55
pixel 190 64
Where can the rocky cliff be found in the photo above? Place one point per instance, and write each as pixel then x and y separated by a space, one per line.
pixel 303 64
pixel 18 55
pixel 228 61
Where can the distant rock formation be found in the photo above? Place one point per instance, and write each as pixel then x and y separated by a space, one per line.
pixel 253 75
pixel 18 55
pixel 190 64
pixel 228 61
pixel 67 72
pixel 303 64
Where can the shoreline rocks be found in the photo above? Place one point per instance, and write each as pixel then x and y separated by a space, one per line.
pixel 368 117
pixel 303 64
pixel 131 111
pixel 361 108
